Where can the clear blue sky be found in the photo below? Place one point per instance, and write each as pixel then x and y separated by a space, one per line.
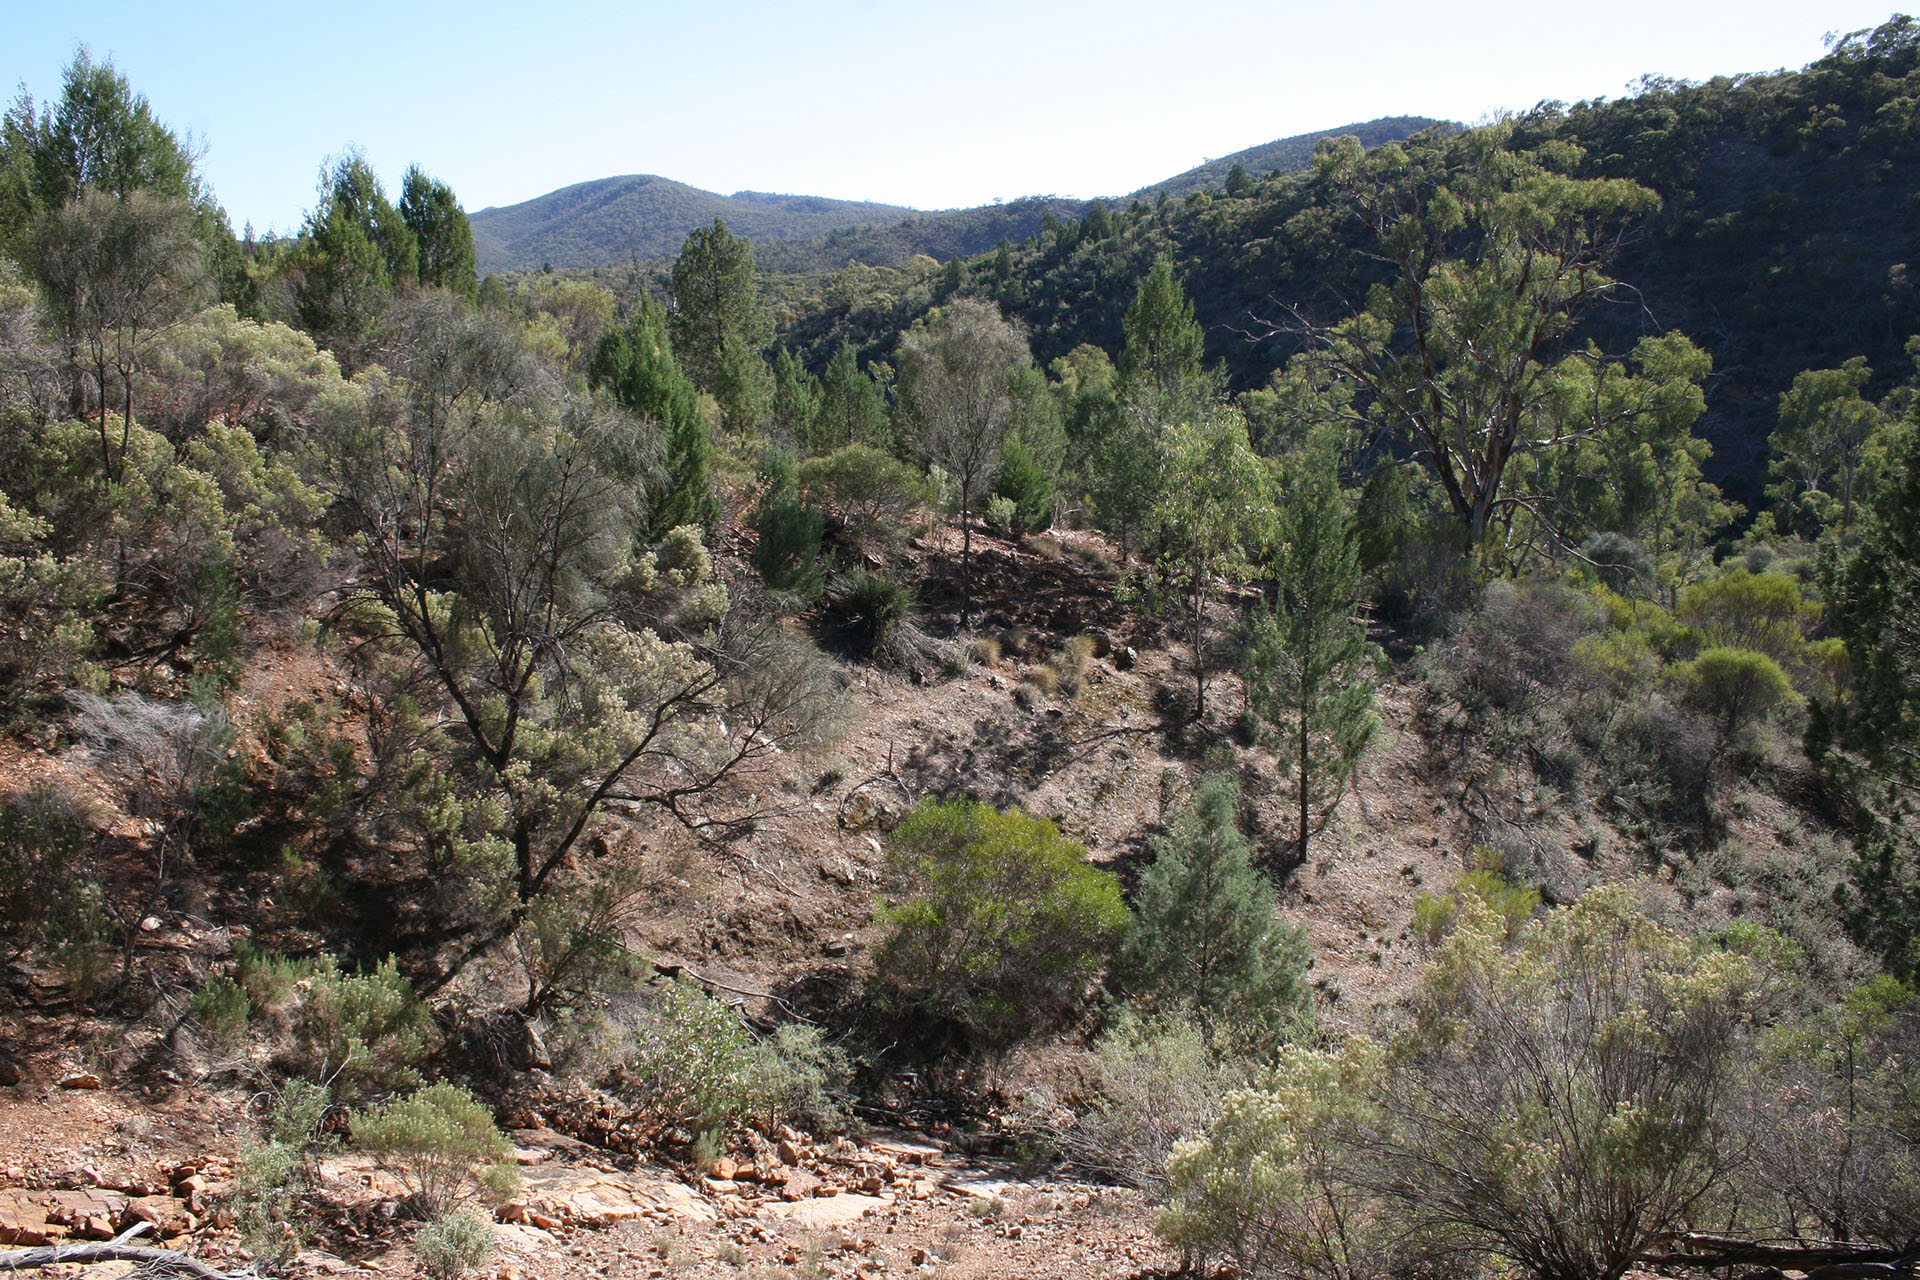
pixel 929 103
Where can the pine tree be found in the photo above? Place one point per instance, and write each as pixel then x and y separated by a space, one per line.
pixel 851 411
pixel 1309 666
pixel 430 210
pixel 1162 355
pixel 1204 930
pixel 795 403
pixel 717 324
pixel 637 366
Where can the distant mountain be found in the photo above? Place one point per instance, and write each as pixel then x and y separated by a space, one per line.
pixel 613 220
pixel 1284 155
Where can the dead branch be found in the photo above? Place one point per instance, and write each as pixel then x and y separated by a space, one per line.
pixel 157 1262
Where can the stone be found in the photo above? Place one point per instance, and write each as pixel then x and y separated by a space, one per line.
pixel 822 1214
pixel 787 1151
pixel 79 1080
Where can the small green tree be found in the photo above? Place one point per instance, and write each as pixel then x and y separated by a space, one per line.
pixel 430 210
pixel 1203 930
pixel 1309 665
pixel 637 366
pixel 851 410
pixel 795 402
pixel 1001 925
pixel 789 528
pixel 1818 448
pixel 442 1144
pixel 1212 518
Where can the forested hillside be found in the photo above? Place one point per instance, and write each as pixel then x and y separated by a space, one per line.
pixel 615 222
pixel 1786 222
pixel 1362 724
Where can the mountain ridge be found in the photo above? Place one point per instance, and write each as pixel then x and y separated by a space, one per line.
pixel 604 222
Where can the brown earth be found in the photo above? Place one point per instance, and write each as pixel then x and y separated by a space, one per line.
pixel 786 915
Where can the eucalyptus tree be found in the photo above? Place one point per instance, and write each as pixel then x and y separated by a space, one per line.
pixel 958 380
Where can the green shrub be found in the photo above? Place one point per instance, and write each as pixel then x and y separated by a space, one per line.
pixel 1204 932
pixel 453 1244
pixel 868 608
pixel 441 1143
pixel 48 904
pixel 1156 1082
pixel 865 491
pixel 789 528
pixel 222 1009
pixel 270 1178
pixel 1737 687
pixel 1025 489
pixel 350 1031
pixel 696 1063
pixel 1002 515
pixel 1001 922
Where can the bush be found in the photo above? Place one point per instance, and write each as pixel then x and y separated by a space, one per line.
pixel 1155 1083
pixel 789 527
pixel 271 1177
pixel 441 1143
pixel 868 608
pixel 348 1031
pixel 1737 687
pixel 698 1064
pixel 47 902
pixel 1023 485
pixel 453 1244
pixel 1275 1185
pixel 864 491
pixel 1001 925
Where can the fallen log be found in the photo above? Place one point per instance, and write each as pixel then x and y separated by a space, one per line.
pixel 156 1262
pixel 1819 1259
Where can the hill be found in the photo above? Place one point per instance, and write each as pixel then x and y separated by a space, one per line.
pixel 1783 242
pixel 1284 155
pixel 614 220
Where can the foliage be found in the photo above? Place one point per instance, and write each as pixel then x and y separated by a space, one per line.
pixel 863 492
pixel 717 324
pixel 1155 1082
pixel 443 1145
pixel 638 366
pixel 868 608
pixel 350 1032
pixel 1000 923
pixel 1565 1102
pixel 1025 486
pixel 1818 452
pixel 1869 737
pixel 695 1062
pixel 48 902
pixel 789 529
pixel 851 411
pixel 1274 1185
pixel 453 1244
pixel 429 209
pixel 1737 687
pixel 1211 517
pixel 1203 936
pixel 46 608
pixel 1308 664
pixel 958 390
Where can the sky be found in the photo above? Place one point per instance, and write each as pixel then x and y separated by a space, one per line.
pixel 926 103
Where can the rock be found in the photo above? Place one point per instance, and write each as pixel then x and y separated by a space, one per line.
pixel 821 1214
pixel 79 1080
pixel 511 1211
pixel 543 1222
pixel 190 1186
pixel 9 1072
pixel 1102 643
pixel 787 1151
pixel 725 1169
pixel 95 1226
pixel 1125 659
